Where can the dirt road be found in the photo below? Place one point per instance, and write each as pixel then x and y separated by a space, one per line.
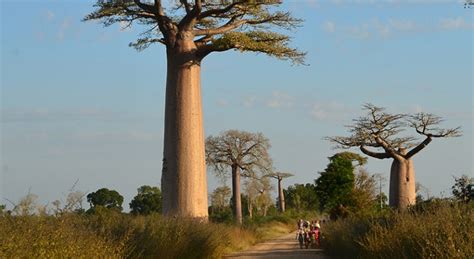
pixel 285 247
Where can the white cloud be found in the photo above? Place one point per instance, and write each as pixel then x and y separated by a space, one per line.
pixel 360 31
pixel 329 26
pixel 249 101
pixel 329 111
pixel 280 100
pixel 41 114
pixel 454 24
pixel 49 15
pixel 375 28
pixel 222 102
pixel 64 27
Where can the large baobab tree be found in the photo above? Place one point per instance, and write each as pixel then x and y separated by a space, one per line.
pixel 244 153
pixel 383 131
pixel 281 196
pixel 190 30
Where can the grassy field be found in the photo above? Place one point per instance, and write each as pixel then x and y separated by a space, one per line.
pixel 439 229
pixel 116 235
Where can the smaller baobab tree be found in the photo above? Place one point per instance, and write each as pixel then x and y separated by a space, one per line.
pixel 244 153
pixel 281 196
pixel 257 189
pixel 383 131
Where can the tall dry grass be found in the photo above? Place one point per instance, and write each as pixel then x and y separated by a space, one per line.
pixel 440 229
pixel 110 234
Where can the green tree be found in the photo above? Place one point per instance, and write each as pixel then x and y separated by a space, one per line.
pixel 190 31
pixel 147 201
pixel 301 197
pixel 220 210
pixel 364 194
pixel 335 186
pixel 463 188
pixel 105 198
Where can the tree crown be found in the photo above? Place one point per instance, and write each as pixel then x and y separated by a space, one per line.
pixel 214 26
pixel 379 129
pixel 234 148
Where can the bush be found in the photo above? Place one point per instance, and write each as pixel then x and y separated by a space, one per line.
pixel 50 237
pixel 110 234
pixel 440 229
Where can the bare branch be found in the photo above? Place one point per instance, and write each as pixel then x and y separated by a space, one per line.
pixel 379 129
pixel 374 154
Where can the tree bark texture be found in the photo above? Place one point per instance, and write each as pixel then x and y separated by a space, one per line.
pixel 237 206
pixel 402 184
pixel 184 183
pixel 281 196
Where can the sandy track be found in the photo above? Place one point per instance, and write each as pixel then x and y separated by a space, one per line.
pixel 283 247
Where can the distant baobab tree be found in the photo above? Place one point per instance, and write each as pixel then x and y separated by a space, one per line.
pixel 190 30
pixel 281 196
pixel 381 130
pixel 244 153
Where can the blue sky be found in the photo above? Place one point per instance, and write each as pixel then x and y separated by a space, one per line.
pixel 75 103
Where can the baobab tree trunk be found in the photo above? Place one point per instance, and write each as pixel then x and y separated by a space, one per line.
pixel 250 207
pixel 402 184
pixel 183 181
pixel 281 196
pixel 237 206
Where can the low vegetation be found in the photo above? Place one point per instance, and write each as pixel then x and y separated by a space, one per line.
pixel 433 229
pixel 111 234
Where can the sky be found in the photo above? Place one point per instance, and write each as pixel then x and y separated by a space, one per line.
pixel 77 110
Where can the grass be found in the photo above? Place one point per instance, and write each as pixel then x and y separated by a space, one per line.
pixel 109 234
pixel 440 229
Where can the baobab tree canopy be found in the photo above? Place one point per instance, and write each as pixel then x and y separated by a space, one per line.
pixel 245 150
pixel 214 26
pixel 244 153
pixel 381 130
pixel 380 135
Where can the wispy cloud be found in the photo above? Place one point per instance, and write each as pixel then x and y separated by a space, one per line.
pixel 63 28
pixel 377 29
pixel 49 15
pixel 222 102
pixel 329 26
pixel 280 100
pixel 329 111
pixel 455 24
pixel 249 101
pixel 47 115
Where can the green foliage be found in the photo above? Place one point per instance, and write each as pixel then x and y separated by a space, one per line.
pixel 215 25
pixel 271 43
pixel 334 186
pixel 440 229
pixel 106 198
pixel 301 197
pixel 147 201
pixel 221 214
pixel 463 188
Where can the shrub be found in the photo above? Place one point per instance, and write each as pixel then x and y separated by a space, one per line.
pixel 440 229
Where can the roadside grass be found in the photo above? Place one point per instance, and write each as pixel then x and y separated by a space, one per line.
pixel 110 234
pixel 439 229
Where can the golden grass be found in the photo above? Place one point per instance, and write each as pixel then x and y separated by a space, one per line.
pixel 441 229
pixel 109 234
